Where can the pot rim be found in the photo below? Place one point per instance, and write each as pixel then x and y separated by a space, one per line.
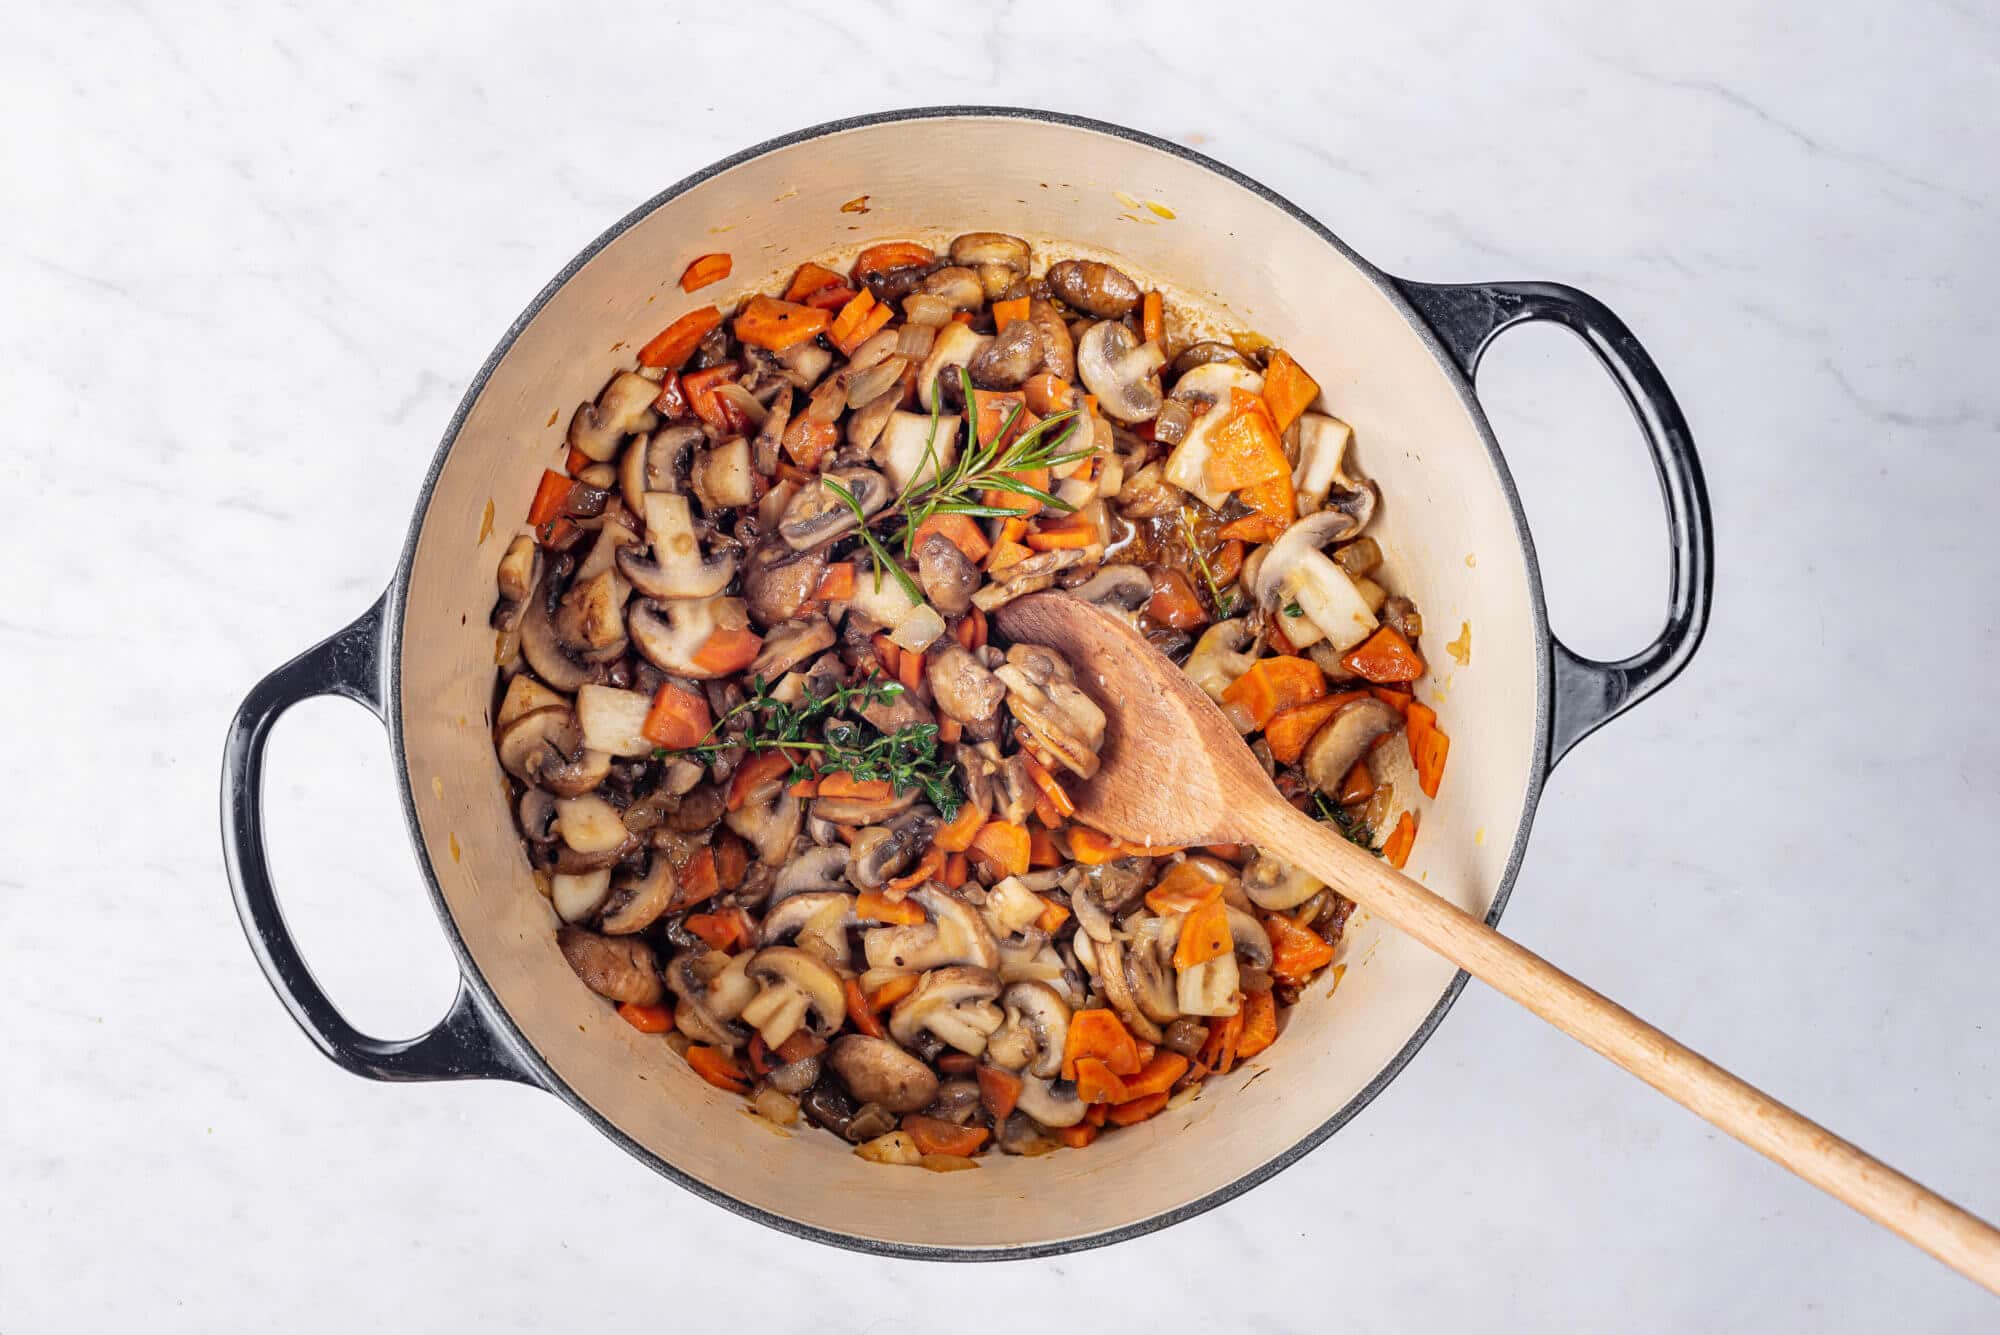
pixel 495 1011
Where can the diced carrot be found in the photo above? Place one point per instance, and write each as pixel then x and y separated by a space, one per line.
pixel 646 1019
pixel 1274 501
pixel 1075 1137
pixel 1260 1024
pixel 1251 528
pixel 893 991
pixel 1042 851
pixel 1153 319
pixel 759 1057
pixel 1358 786
pixel 956 871
pixel 700 386
pixel 1288 730
pixel 1093 847
pixel 836 585
pixel 576 461
pixel 1288 390
pixel 927 867
pixel 1397 698
pixel 1135 1110
pixel 1385 656
pixel 719 1068
pixel 1094 1115
pixel 831 299
pixel 1204 936
pixel 551 495
pixel 1099 1033
pixel 957 836
pixel 1047 783
pixel 703 270
pixel 808 440
pixel 1275 684
pixel 1066 534
pixel 1244 450
pixel 1226 563
pixel 1054 393
pixel 809 279
pixel 1006 312
pixel 934 1135
pixel 976 619
pixel 999 1090
pixel 727 650
pixel 993 410
pixel 697 882
pixel 1296 952
pixel 1428 746
pixel 1218 1053
pixel 1006 552
pixel 1052 917
pixel 766 322
pixel 874 907
pixel 891 255
pixel 1157 1075
pixel 961 317
pixel 1396 848
pixel 1174 602
pixel 857 321
pixel 1098 1083
pixel 678 719
pixel 672 346
pixel 910 672
pixel 802 1044
pixel 1002 846
pixel 859 1012
pixel 1186 887
pixel 755 771
pixel 732 859
pixel 839 783
pixel 950 729
pixel 960 531
pixel 671 401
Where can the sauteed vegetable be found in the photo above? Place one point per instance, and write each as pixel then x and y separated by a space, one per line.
pixel 798 808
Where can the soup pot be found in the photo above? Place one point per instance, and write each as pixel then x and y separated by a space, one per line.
pixel 1396 360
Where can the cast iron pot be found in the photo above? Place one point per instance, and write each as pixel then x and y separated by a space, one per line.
pixel 1397 360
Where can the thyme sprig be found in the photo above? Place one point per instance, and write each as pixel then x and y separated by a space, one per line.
pixel 906 758
pixel 1352 828
pixel 1224 603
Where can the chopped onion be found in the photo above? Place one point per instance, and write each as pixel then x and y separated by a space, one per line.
pixel 613 720
pixel 915 341
pixel 828 401
pixel 873 349
pixel 919 630
pixel 775 1107
pixel 895 1148
pixel 924 308
pixel 743 401
pixel 1170 427
pixel 905 440
pixel 772 508
pixel 869 385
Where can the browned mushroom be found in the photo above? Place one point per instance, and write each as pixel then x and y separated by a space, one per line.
pixel 625 406
pixel 1344 739
pixel 1010 358
pixel 1043 695
pixel 999 259
pixel 1058 348
pixel 877 1071
pixel 1094 288
pixel 948 578
pixel 618 968
pixel 1122 372
pixel 637 902
pixel 778 581
pixel 963 688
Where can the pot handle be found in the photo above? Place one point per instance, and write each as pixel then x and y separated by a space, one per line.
pixel 464 1044
pixel 1588 694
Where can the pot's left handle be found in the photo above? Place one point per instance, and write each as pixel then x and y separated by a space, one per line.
pixel 464 1044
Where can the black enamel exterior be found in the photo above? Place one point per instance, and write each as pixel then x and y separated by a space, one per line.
pixel 477 1039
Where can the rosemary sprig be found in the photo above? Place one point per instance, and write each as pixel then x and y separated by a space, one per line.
pixel 956 490
pixel 1224 603
pixel 1353 829
pixel 906 758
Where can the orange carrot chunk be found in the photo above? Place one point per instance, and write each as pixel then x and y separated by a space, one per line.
pixel 672 346
pixel 891 255
pixel 703 270
pixel 1296 952
pixel 719 1068
pixel 1428 747
pixel 934 1135
pixel 999 1090
pixel 1396 848
pixel 871 906
pixel 1274 684
pixel 1204 936
pixel 1260 1024
pixel 678 719
pixel 1385 656
pixel 1099 1033
pixel 809 279
pixel 1291 728
pixel 646 1019
pixel 1288 390
pixel 766 322
pixel 1003 846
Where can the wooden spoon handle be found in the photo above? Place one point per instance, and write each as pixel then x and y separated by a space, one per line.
pixel 1961 1240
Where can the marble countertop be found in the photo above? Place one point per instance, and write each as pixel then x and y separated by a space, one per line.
pixel 251 258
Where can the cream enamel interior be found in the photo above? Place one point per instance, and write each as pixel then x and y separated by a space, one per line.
pixel 1447 528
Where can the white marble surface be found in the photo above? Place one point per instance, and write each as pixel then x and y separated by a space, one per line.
pixel 249 258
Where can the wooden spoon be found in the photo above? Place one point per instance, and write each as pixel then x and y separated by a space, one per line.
pixel 1175 773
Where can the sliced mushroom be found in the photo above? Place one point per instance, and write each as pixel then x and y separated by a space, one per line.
pixel 963 689
pixel 1206 353
pixel 882 852
pixel 625 406
pixel 617 968
pixel 1053 1103
pixel 523 694
pixel 795 990
pixel 673 641
pixel 778 582
pixel 817 919
pixel 948 579
pixel 546 655
pixel 956 345
pixel 544 747
pixel 863 810
pixel 1009 358
pixel 1094 288
pixel 877 1071
pixel 590 619
pixel 1110 958
pixel 1122 372
pixel 771 825
pixel 790 643
pixel 519 575
pixel 1344 739
pixel 1206 388
pixel 674 566
pixel 1276 885
pixel 821 869
pixel 952 933
pixel 912 450
pixel 955 284
pixel 589 824
pixel 1058 348
pixel 722 477
pixel 1117 588
pixel 637 902
pixel 999 259
pixel 1321 478
pixel 1036 1028
pixel 1043 696
pixel 1149 968
pixel 653 462
pixel 818 514
pixel 954 1004
pixel 613 720
pixel 712 989
pixel 1253 944
pixel 1295 570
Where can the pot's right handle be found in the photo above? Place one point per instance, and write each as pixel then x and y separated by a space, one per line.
pixel 1588 693
pixel 464 1044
